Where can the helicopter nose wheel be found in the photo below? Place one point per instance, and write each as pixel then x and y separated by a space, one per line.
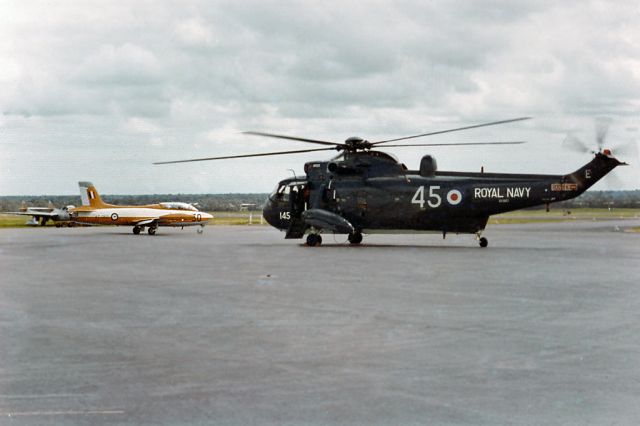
pixel 314 240
pixel 355 238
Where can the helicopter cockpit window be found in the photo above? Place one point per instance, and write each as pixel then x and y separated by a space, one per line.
pixel 281 192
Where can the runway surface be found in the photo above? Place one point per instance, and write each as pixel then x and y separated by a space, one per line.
pixel 240 327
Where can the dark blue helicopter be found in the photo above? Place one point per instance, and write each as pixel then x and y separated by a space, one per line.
pixel 363 190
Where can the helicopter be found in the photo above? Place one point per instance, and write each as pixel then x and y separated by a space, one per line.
pixel 363 190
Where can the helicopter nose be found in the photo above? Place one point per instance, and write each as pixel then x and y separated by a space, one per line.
pixel 270 214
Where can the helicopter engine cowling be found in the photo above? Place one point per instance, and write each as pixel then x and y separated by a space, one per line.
pixel 428 166
pixel 341 168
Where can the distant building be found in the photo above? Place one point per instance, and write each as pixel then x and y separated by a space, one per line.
pixel 247 206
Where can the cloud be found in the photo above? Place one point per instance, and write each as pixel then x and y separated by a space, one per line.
pixel 194 32
pixel 125 65
pixel 160 77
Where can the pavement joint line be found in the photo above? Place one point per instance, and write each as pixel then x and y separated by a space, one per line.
pixel 59 413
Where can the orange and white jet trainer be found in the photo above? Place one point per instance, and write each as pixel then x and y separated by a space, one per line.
pixel 96 212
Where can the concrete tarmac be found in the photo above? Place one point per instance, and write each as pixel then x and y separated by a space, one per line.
pixel 241 327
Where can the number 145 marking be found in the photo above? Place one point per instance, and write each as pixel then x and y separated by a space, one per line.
pixel 434 198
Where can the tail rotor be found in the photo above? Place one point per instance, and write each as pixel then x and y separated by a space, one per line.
pixel 602 125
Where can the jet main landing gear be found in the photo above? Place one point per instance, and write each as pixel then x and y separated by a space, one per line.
pixel 136 230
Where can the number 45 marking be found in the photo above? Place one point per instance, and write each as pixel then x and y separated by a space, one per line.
pixel 434 198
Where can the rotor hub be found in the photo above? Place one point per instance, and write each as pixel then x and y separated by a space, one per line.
pixel 355 143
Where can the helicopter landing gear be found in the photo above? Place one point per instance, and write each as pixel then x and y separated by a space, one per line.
pixel 482 241
pixel 355 238
pixel 152 230
pixel 314 240
pixel 136 230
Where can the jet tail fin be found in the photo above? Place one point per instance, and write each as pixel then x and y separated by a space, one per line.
pixel 90 196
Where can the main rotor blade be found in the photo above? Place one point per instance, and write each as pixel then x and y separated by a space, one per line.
pixel 475 126
pixel 293 138
pixel 263 154
pixel 458 144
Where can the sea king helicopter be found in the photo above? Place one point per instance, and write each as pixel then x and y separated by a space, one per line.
pixel 363 190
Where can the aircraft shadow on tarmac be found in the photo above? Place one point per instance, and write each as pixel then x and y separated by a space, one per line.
pixel 426 247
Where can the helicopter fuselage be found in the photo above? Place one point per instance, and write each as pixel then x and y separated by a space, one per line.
pixel 369 192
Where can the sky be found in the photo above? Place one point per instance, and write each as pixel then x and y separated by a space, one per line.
pixel 98 90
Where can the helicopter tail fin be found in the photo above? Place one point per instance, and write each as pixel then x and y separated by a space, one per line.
pixel 593 171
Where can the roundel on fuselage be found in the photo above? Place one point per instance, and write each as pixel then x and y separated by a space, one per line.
pixel 454 197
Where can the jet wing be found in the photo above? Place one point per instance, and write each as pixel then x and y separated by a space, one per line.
pixel 146 222
pixel 33 213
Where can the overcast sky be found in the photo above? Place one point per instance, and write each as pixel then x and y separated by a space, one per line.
pixel 97 91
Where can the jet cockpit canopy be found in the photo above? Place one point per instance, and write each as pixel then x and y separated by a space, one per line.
pixel 176 205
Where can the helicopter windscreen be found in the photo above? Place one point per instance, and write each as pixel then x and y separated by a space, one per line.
pixel 281 192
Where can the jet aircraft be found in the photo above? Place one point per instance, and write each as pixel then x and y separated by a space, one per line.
pixel 41 215
pixel 94 211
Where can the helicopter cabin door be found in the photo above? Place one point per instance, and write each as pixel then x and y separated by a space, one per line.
pixel 298 198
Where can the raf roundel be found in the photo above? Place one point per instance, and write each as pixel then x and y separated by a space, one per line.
pixel 114 216
pixel 454 197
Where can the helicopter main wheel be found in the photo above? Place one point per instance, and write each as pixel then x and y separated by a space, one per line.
pixel 355 238
pixel 152 231
pixel 136 230
pixel 483 242
pixel 314 240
